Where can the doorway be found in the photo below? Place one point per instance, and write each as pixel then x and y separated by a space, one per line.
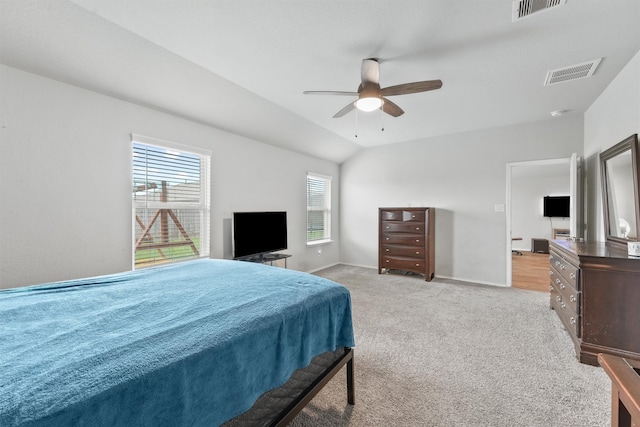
pixel 527 229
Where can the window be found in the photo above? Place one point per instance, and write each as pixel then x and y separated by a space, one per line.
pixel 170 202
pixel 318 208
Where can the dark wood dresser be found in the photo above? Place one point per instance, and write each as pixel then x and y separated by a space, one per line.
pixel 406 240
pixel 595 290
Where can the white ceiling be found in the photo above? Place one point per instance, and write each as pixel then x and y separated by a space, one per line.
pixel 242 65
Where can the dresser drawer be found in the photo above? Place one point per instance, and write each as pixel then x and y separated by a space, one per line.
pixel 565 269
pixel 413 216
pixel 565 287
pixel 402 227
pixel 405 251
pixel 570 319
pixel 403 239
pixel 403 263
pixel 570 296
pixel 400 215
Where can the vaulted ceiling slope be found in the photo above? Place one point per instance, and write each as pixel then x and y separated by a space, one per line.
pixel 242 65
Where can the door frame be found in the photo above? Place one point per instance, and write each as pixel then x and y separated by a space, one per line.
pixel 508 209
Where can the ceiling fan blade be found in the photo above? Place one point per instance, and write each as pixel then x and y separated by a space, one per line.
pixel 407 88
pixel 345 110
pixel 329 92
pixel 370 71
pixel 391 108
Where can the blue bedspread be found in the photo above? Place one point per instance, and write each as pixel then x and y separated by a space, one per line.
pixel 189 344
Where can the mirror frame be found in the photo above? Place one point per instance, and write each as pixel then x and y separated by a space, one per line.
pixel 628 144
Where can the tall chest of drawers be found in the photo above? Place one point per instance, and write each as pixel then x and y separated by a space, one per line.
pixel 406 240
pixel 595 290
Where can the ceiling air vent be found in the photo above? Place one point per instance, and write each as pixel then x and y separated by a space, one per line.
pixel 524 8
pixel 572 72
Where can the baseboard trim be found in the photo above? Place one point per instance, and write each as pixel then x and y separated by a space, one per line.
pixel 469 281
pixel 437 276
pixel 322 268
pixel 358 265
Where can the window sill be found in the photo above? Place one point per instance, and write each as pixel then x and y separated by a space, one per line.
pixel 319 242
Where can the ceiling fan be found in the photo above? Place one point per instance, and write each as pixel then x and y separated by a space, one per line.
pixel 372 97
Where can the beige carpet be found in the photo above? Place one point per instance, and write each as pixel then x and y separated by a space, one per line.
pixel 446 353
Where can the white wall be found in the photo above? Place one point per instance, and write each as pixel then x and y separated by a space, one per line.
pixel 463 177
pixel 614 116
pixel 65 181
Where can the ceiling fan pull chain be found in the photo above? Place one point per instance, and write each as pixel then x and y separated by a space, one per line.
pixel 356 122
pixel 381 120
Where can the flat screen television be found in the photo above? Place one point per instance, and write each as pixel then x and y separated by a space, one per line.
pixel 258 233
pixel 556 206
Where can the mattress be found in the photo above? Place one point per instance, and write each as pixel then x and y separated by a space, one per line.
pixel 194 343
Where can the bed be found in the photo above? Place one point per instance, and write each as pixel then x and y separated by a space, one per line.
pixel 190 344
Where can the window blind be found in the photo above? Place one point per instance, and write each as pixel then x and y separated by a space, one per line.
pixel 318 207
pixel 171 204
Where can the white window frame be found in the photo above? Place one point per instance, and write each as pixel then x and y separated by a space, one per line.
pixel 204 205
pixel 326 209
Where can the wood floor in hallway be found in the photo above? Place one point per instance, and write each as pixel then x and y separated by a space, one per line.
pixel 530 271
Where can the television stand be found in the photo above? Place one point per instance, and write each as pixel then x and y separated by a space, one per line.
pixel 266 258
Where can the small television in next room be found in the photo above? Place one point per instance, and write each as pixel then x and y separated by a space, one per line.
pixel 556 206
pixel 257 233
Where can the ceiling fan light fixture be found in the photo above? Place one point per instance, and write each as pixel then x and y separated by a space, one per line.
pixel 372 97
pixel 369 103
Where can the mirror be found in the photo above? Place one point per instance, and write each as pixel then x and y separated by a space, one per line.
pixel 620 182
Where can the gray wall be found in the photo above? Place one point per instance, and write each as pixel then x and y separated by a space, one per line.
pixel 614 116
pixel 463 176
pixel 65 181
pixel 65 172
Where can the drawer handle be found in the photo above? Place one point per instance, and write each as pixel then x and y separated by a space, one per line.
pixel 558 297
pixel 387 238
pixel 417 252
pixel 417 265
pixel 557 263
pixel 413 216
pixel 550 273
pixel 561 266
pixel 557 281
pixel 550 287
pixel 563 305
pixel 387 249
pixel 572 320
pixel 387 227
pixel 418 228
pixel 387 260
pixel 572 298
pixel 562 286
pixel 572 275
